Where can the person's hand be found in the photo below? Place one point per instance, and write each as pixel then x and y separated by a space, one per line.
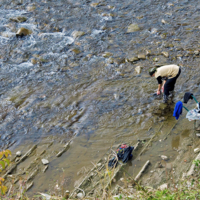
pixel 158 92
pixel 162 89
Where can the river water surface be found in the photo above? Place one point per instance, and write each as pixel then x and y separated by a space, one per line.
pixel 71 78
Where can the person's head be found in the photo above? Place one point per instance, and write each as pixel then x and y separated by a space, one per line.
pixel 152 71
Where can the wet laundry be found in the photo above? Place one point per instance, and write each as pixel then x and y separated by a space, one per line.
pixel 187 97
pixel 178 110
pixel 124 153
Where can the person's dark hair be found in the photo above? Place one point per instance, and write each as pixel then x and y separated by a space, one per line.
pixel 152 71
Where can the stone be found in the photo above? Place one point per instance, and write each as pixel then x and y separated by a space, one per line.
pixel 197 150
pixel 18 19
pixel 18 153
pixel 132 59
pixel 138 69
pixel 163 21
pixel 163 186
pixel 198 134
pixel 166 54
pixel 80 195
pixel 107 54
pixel 66 195
pixel 45 161
pixel 133 28
pixel 142 56
pixel 99 165
pixel 23 32
pixel 76 34
pixel 164 157
pixel 196 52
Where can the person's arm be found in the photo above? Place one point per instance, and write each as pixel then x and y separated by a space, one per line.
pixel 159 88
pixel 163 85
pixel 159 79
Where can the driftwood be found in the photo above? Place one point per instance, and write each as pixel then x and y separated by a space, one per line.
pixel 142 170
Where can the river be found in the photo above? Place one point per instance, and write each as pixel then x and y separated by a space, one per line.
pixel 72 78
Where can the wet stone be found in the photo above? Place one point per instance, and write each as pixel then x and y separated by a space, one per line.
pixel 77 34
pixel 18 153
pixel 133 28
pixel 23 32
pixel 166 54
pixel 142 56
pixel 18 19
pixel 138 69
pixel 45 161
pixel 164 157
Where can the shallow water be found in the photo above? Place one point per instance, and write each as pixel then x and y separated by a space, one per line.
pixel 56 85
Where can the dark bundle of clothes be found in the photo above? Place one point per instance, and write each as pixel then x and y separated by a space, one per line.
pixel 124 153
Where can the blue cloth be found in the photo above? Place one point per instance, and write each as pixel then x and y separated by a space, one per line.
pixel 178 109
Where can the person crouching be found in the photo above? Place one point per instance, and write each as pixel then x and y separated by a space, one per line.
pixel 166 76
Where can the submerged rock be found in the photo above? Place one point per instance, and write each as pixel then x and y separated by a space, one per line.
pixel 76 34
pixel 133 28
pixel 166 54
pixel 18 19
pixel 138 69
pixel 23 32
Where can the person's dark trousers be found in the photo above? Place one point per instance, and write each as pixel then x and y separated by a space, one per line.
pixel 170 83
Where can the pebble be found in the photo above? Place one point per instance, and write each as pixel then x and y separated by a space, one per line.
pixel 163 186
pixel 164 157
pixel 80 195
pixel 18 153
pixel 45 161
pixel 138 69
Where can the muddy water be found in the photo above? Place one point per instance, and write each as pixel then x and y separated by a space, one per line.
pixel 57 84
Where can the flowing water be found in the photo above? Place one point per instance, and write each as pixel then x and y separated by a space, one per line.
pixel 70 78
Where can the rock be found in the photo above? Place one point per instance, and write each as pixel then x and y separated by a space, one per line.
pixel 164 157
pixel 31 8
pixel 166 54
pixel 163 21
pixel 66 195
pixel 99 165
pixel 133 28
pixel 163 186
pixel 33 61
pixel 76 34
pixel 154 30
pixel 94 4
pixel 197 150
pixel 45 169
pixel 45 162
pixel 18 19
pixel 142 56
pixel 132 59
pixel 80 195
pixel 18 153
pixel 23 32
pixel 138 69
pixel 196 52
pixel 107 54
pixel 148 52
